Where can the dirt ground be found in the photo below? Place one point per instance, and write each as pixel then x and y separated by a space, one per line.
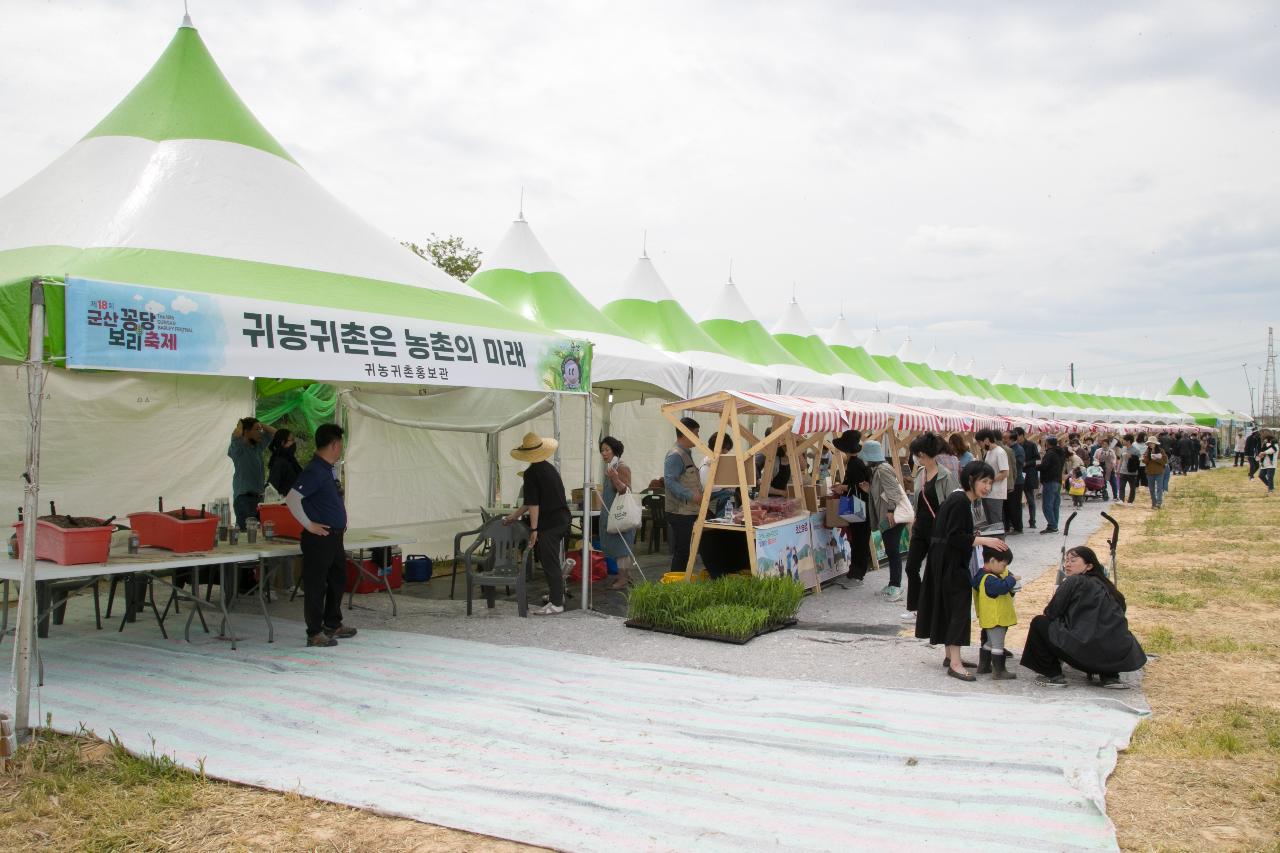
pixel 1202 582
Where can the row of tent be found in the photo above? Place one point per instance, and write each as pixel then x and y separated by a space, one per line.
pixel 181 186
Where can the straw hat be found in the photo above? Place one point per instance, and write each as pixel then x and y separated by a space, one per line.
pixel 534 448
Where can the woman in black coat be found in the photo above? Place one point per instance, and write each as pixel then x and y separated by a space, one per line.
pixel 857 481
pixel 947 594
pixel 1083 625
pixel 283 468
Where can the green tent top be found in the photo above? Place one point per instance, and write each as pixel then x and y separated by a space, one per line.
pixel 920 368
pixel 1197 390
pixel 648 312
pixel 856 359
pixel 898 372
pixel 731 324
pixel 1180 389
pixel 797 337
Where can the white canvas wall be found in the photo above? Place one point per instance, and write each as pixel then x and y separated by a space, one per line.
pixel 112 442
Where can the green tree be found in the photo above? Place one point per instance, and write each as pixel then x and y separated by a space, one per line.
pixel 450 254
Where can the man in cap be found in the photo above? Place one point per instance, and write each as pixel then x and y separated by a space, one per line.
pixel 682 494
pixel 548 511
pixel 1051 484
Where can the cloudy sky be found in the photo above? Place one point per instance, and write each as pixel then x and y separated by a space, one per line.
pixel 1027 184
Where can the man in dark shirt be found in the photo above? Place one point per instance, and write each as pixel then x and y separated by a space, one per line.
pixel 316 501
pixel 548 512
pixel 249 476
pixel 1017 477
pixel 1031 473
pixel 1051 484
pixel 1252 445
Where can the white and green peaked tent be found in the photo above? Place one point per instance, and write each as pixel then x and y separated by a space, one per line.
pixel 181 186
pixel 732 325
pixel 521 275
pixel 648 312
pixel 840 338
pixel 798 337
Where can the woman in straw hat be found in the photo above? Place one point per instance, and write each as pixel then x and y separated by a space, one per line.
pixel 548 512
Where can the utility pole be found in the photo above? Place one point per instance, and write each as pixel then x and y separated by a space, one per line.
pixel 1072 367
pixel 1269 410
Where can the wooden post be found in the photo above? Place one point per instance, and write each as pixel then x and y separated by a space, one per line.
pixel 8 743
pixel 701 519
pixel 740 460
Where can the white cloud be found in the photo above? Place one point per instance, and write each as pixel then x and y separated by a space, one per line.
pixel 155 307
pixel 958 239
pixel 184 305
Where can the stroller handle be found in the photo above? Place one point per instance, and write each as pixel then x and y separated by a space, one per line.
pixel 1115 532
pixel 1066 528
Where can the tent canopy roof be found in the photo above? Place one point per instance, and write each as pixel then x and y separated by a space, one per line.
pixel 648 312
pixel 732 325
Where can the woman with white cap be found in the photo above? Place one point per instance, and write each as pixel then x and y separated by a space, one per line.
pixel 548 511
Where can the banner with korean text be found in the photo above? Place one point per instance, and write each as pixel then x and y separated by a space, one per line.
pixel 112 326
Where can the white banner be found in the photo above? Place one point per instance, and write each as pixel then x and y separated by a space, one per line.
pixel 111 326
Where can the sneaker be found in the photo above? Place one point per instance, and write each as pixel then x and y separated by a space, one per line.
pixel 886 589
pixel 1051 680
pixel 549 610
pixel 342 632
pixel 1048 530
pixel 1112 682
pixel 893 593
pixel 321 640
pixel 908 616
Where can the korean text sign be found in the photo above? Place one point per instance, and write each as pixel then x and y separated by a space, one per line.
pixel 115 326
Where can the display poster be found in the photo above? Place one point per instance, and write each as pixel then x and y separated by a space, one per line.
pixel 831 552
pixel 785 549
pixel 112 326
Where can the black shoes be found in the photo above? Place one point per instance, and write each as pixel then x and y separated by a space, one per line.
pixel 321 640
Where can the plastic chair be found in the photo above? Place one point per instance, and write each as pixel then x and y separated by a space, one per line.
pixel 485 518
pixel 502 564
pixel 655 519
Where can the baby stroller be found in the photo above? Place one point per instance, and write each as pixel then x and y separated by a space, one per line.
pixel 1095 487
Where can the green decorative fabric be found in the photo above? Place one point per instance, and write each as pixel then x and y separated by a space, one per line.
pixel 953 382
pixel 314 405
pixel 898 371
pixel 1197 390
pixel 185 96
pixel 1180 389
pixel 926 374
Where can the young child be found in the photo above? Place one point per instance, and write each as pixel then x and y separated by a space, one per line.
pixel 1075 487
pixel 993 601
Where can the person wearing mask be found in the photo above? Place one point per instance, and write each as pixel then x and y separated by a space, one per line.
pixel 1155 461
pixel 249 475
pixel 1013 503
pixel 1031 473
pixel 283 467
pixel 857 482
pixel 933 485
pixel 548 510
pixel 1267 463
pixel 682 494
pixel 883 497
pixel 316 502
pixel 1052 464
pixel 1083 626
pixel 994 455
pixel 619 547
pixel 946 596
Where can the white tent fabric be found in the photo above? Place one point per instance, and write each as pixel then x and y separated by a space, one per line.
pixel 793 322
pixel 115 442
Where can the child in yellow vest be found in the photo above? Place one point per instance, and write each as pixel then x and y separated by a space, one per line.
pixel 1076 487
pixel 993 601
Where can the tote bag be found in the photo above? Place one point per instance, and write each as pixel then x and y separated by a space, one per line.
pixel 625 514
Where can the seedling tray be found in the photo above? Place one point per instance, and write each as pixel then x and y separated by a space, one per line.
pixel 719 638
pixel 198 532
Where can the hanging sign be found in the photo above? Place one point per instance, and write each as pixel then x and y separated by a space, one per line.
pixel 113 326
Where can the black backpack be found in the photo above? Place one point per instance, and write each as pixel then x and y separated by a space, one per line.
pixel 1132 465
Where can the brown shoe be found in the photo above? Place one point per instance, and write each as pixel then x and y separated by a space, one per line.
pixel 342 632
pixel 321 640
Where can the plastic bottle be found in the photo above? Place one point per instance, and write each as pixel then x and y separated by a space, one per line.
pixel 729 509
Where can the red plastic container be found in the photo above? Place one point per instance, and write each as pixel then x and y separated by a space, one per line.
pixel 287 527
pixel 73 546
pixel 182 536
pixel 363 584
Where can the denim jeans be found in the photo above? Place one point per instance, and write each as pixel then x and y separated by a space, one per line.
pixel 1155 484
pixel 1051 503
pixel 1168 472
pixel 1268 478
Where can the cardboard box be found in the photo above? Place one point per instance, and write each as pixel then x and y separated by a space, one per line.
pixel 727 471
pixel 597 502
pixel 833 518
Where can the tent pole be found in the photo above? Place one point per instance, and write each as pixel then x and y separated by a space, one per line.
pixel 491 451
pixel 25 640
pixel 587 502
pixel 555 429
